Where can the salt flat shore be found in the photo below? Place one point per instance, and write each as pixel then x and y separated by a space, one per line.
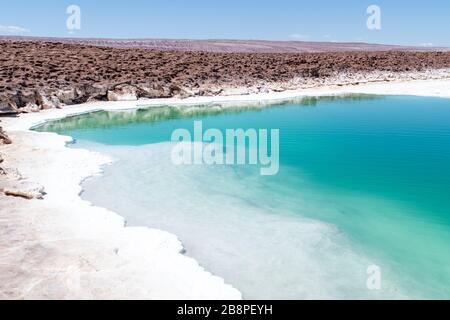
pixel 61 247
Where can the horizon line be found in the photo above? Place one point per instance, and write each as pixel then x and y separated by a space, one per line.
pixel 71 37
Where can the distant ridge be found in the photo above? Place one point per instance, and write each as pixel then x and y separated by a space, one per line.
pixel 228 46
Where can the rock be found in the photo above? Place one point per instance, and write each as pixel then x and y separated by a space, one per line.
pixel 66 96
pixel 55 102
pixel 123 92
pixel 154 90
pixel 210 91
pixel 14 102
pixel 264 89
pixel 31 107
pixel 47 100
pixel 25 190
pixel 44 101
pixel 235 91
pixel 95 92
pixel 2 172
pixel 12 173
pixel 7 107
pixel 4 139
pixel 176 91
pixel 23 97
pixel 277 88
pixel 48 103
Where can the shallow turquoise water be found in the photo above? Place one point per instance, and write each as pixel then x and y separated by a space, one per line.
pixel 363 180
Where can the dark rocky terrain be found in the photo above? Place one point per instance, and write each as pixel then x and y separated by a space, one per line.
pixel 36 75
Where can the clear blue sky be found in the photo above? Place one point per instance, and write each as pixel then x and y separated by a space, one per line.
pixel 403 22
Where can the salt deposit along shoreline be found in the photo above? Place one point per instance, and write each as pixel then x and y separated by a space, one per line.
pixel 62 247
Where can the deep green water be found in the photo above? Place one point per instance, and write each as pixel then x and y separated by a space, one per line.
pixel 370 175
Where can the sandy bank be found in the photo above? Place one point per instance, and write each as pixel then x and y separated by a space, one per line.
pixel 62 247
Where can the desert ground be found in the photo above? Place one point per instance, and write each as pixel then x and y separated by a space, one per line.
pixel 43 73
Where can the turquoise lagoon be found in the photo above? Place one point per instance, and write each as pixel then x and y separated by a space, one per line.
pixel 363 181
